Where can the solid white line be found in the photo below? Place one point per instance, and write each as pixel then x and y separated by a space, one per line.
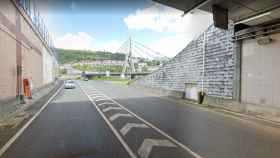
pixel 116 116
pixel 196 155
pixel 127 148
pixel 111 108
pixel 13 139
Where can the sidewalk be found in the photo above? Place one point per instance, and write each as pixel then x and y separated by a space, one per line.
pixel 14 117
pixel 255 117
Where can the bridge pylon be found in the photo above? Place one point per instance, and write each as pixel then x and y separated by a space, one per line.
pixel 134 51
pixel 129 62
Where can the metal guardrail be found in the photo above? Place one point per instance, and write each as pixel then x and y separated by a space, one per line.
pixel 29 6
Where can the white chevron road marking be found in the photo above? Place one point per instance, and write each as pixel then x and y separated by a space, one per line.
pixel 111 108
pixel 196 155
pixel 119 137
pixel 96 95
pixel 102 99
pixel 129 126
pixel 148 144
pixel 118 133
pixel 106 103
pixel 92 91
pixel 115 116
pixel 99 97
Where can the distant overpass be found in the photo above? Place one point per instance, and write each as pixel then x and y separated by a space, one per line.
pixel 101 74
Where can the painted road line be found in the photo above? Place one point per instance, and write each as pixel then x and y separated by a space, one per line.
pixel 100 98
pixel 148 144
pixel 13 139
pixel 106 103
pixel 115 132
pixel 91 91
pixel 196 155
pixel 111 108
pixel 129 126
pixel 103 99
pixel 95 94
pixel 118 115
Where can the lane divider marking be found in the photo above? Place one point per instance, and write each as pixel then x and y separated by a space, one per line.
pixel 118 115
pixel 127 127
pixel 111 108
pixel 196 155
pixel 115 132
pixel 103 99
pixel 148 144
pixel 96 95
pixel 106 103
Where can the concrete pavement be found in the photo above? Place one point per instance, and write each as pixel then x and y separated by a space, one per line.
pixel 101 119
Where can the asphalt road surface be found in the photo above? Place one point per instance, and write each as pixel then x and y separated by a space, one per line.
pixel 104 120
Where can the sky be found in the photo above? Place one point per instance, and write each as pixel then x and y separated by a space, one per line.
pixel 105 25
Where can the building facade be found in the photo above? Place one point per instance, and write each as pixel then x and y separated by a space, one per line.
pixel 26 50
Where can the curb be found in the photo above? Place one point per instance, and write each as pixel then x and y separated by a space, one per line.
pixel 250 117
pixel 220 110
pixel 256 119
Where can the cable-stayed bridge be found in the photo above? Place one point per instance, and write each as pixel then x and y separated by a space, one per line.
pixel 136 51
pixel 137 57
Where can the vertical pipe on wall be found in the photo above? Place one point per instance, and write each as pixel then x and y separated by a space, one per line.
pixel 203 61
pixel 19 59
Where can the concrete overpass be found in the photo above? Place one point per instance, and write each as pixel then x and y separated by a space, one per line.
pixel 102 74
pixel 238 59
pixel 241 12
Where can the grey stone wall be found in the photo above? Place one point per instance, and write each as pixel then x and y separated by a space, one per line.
pixel 187 66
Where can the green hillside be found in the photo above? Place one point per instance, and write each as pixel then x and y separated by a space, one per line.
pixel 67 56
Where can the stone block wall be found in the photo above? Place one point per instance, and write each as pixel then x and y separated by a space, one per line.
pixel 187 66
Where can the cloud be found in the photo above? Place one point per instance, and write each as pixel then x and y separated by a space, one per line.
pixel 111 46
pixel 170 45
pixel 78 41
pixel 84 41
pixel 163 19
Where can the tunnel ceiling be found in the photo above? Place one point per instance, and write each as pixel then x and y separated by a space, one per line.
pixel 239 10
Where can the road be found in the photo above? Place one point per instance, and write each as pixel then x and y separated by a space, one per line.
pixel 101 120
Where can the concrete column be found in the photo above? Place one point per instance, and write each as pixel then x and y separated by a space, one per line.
pixel 237 72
